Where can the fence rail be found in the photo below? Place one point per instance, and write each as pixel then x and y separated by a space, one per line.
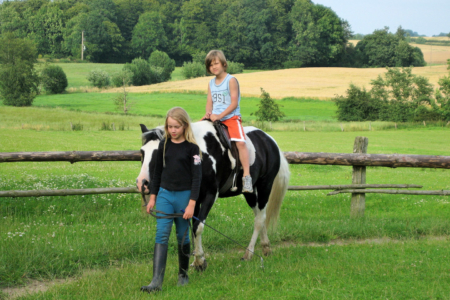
pixel 321 158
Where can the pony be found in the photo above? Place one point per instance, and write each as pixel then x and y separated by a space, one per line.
pixel 268 168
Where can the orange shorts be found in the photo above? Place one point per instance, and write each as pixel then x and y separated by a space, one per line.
pixel 235 129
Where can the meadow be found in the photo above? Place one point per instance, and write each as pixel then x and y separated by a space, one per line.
pixel 100 246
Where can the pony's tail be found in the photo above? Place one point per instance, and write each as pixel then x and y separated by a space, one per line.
pixel 279 188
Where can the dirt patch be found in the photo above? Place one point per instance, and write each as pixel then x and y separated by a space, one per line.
pixel 33 286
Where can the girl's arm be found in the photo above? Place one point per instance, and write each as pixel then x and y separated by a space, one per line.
pixel 196 174
pixel 234 94
pixel 209 104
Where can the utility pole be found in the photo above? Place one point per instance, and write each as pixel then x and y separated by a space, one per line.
pixel 82 44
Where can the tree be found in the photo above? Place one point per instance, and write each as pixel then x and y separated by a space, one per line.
pixel 18 78
pixel 320 35
pixel 268 109
pixel 46 29
pixel 103 39
pixel 148 34
pixel 122 101
pixel 384 49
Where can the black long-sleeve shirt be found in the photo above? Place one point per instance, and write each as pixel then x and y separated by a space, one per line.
pixel 183 170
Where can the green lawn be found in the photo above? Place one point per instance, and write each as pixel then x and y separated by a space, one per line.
pixel 77 72
pixel 158 103
pixel 398 250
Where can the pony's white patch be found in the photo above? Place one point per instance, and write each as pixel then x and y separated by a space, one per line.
pixel 200 130
pixel 213 160
pixel 232 160
pixel 145 172
pixel 248 129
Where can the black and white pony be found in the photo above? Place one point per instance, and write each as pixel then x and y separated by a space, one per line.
pixel 268 167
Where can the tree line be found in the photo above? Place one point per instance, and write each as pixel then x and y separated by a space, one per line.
pixel 263 34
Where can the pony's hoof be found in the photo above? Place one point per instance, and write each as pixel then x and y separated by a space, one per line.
pixel 267 251
pixel 247 256
pixel 201 267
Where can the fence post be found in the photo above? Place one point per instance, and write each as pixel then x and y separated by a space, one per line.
pixel 358 204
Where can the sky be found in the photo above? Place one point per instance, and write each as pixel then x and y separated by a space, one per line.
pixel 426 17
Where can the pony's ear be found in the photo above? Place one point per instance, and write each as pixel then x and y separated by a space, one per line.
pixel 143 128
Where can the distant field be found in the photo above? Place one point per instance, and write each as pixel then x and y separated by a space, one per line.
pixel 434 54
pixel 77 72
pixel 316 83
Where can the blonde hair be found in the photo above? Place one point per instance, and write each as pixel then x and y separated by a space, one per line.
pixel 211 56
pixel 182 117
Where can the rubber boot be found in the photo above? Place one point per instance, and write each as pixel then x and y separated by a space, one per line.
pixel 183 260
pixel 159 267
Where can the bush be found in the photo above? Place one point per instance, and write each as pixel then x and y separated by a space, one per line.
pixel 99 78
pixel 235 67
pixel 193 70
pixel 292 64
pixel 398 96
pixel 53 79
pixel 268 110
pixel 162 66
pixel 142 73
pixel 358 105
pixel 122 78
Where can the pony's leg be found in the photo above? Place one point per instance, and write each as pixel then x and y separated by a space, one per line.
pixel 260 218
pixel 256 201
pixel 199 256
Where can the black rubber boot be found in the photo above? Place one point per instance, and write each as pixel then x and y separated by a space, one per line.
pixel 159 267
pixel 183 260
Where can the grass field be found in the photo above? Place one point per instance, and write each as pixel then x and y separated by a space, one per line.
pixel 103 244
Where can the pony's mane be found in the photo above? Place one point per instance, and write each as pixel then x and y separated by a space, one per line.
pixel 158 132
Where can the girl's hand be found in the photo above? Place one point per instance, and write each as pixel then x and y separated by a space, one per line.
pixel 151 203
pixel 206 116
pixel 189 211
pixel 214 117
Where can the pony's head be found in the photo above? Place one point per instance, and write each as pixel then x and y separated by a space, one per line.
pixel 150 142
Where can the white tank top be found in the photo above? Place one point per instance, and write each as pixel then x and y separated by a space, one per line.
pixel 221 98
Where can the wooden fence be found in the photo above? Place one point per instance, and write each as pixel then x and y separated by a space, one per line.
pixel 359 160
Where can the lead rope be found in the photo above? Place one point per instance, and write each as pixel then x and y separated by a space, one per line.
pixel 172 216
pixel 262 260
